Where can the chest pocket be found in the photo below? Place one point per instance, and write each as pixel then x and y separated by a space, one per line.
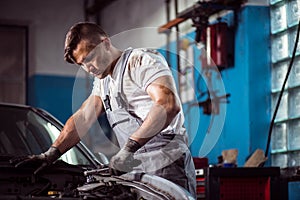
pixel 121 121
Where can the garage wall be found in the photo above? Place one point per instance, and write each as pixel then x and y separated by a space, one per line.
pixel 138 21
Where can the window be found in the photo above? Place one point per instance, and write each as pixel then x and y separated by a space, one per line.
pixel 285 146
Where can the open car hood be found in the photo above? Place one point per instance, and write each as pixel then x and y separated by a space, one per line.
pixel 64 181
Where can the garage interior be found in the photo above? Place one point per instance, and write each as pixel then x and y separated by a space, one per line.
pixel 235 62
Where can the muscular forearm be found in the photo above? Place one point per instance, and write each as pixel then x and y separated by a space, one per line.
pixel 78 124
pixel 159 117
pixel 165 107
pixel 68 137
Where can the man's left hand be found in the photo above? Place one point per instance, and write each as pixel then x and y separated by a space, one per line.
pixel 124 161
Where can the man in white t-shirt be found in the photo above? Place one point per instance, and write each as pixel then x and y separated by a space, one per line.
pixel 136 90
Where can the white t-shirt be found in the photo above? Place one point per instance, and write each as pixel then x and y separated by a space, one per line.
pixel 142 68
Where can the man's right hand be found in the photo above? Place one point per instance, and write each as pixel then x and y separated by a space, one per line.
pixel 46 159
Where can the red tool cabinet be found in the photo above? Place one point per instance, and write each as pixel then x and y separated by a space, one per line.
pixel 242 183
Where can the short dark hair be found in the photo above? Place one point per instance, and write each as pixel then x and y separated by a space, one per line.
pixel 82 31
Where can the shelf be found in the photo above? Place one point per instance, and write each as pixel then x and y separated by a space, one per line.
pixel 200 12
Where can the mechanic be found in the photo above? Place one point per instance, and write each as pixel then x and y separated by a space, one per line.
pixel 136 89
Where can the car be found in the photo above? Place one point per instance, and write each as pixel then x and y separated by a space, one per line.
pixel 78 174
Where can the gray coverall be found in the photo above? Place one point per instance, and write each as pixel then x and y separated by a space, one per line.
pixel 166 154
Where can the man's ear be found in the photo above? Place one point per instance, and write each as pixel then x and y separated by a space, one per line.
pixel 107 43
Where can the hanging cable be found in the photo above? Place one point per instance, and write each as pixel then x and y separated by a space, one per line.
pixel 281 91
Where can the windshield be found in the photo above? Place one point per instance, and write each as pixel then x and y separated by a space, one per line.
pixel 23 132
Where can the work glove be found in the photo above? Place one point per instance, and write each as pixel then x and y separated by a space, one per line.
pixel 44 159
pixel 124 161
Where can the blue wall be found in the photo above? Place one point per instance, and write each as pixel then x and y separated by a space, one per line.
pixel 55 94
pixel 248 82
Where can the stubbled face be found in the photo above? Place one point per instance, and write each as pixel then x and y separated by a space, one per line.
pixel 96 61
